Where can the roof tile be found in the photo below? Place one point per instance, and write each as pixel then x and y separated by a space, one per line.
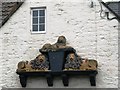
pixel 8 9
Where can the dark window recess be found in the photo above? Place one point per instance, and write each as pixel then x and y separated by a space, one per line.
pixel 41 12
pixel 42 28
pixel 35 27
pixel 35 13
pixel 35 20
pixel 42 20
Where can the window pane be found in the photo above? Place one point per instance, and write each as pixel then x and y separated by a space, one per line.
pixel 35 27
pixel 42 20
pixel 35 20
pixel 35 12
pixel 41 12
pixel 41 27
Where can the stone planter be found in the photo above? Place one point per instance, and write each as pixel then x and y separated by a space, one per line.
pixel 56 60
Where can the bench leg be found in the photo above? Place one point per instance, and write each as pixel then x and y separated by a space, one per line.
pixel 49 80
pixel 92 79
pixel 23 80
pixel 65 79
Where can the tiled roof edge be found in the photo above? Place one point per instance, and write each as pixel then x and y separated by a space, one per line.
pixel 14 9
pixel 117 16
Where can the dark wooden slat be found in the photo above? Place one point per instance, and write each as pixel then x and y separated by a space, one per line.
pixel 50 76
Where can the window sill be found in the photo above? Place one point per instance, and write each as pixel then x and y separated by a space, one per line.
pixel 40 32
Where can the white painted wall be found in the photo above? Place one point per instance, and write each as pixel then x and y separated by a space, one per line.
pixel 90 35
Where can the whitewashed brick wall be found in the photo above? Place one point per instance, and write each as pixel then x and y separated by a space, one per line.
pixel 90 35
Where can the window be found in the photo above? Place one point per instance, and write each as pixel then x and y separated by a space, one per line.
pixel 39 20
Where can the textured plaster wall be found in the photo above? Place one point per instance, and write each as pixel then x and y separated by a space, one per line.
pixel 84 29
pixel 118 55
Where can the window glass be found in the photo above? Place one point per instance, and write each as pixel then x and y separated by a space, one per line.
pixel 35 27
pixel 35 20
pixel 35 13
pixel 42 20
pixel 41 27
pixel 38 20
pixel 41 12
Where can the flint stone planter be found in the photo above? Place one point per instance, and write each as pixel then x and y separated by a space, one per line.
pixel 56 60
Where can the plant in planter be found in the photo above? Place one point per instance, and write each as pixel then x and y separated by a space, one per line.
pixel 40 63
pixel 73 62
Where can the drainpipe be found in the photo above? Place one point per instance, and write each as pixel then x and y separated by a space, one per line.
pixel 107 13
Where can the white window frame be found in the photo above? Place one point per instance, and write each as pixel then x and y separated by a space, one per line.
pixel 37 8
